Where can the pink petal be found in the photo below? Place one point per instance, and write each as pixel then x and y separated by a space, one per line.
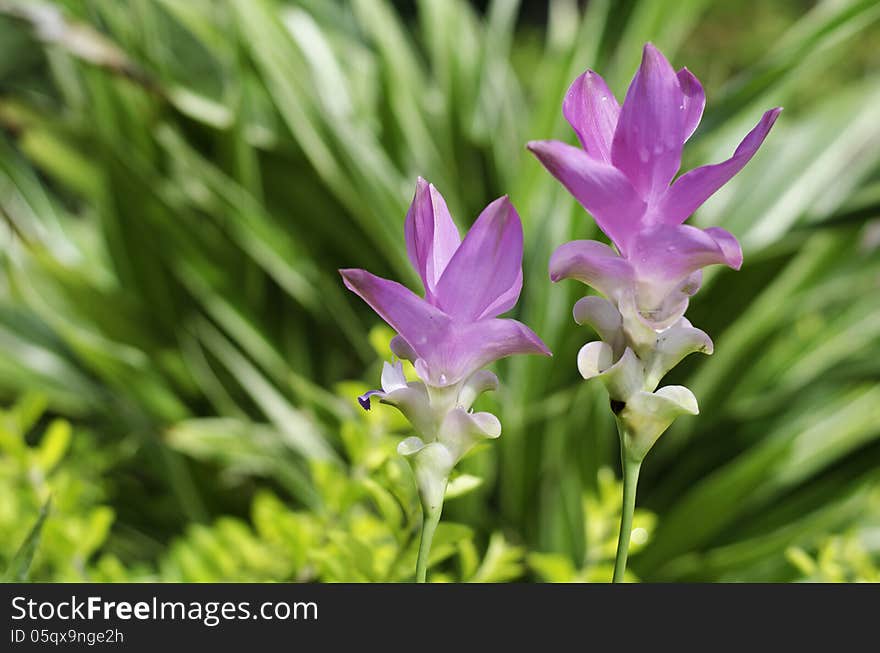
pixel 694 101
pixel 592 263
pixel 592 110
pixel 506 300
pixel 431 235
pixel 667 260
pixel 668 251
pixel 482 275
pixel 417 322
pixel 603 190
pixel 650 131
pixel 470 347
pixel 693 188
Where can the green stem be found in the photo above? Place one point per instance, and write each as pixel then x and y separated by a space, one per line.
pixel 430 519
pixel 630 481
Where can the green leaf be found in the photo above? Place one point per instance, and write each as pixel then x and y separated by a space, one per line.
pixel 19 567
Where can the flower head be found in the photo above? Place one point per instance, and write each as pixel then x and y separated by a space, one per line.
pixel 454 330
pixel 623 176
pixel 451 333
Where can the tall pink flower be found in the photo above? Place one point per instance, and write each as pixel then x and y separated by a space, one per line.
pixel 623 175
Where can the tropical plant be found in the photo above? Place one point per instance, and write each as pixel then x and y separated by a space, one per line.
pixel 179 182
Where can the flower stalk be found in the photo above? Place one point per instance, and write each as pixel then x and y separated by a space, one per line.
pixel 430 521
pixel 630 484
pixel 624 174
pixel 448 335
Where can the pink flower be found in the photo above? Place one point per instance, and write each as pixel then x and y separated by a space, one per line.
pixel 454 330
pixel 622 176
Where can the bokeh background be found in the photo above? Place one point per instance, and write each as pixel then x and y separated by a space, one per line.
pixel 179 182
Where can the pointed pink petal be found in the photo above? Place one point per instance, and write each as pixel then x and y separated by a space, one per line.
pixel 731 251
pixel 506 300
pixel 483 272
pixel 592 263
pixel 470 347
pixel 417 322
pixel 603 190
pixel 674 251
pixel 592 111
pixel 448 351
pixel 693 188
pixel 431 235
pixel 667 258
pixel 492 339
pixel 694 101
pixel 650 134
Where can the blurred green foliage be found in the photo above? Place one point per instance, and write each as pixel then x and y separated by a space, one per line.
pixel 839 559
pixel 601 514
pixel 53 516
pixel 180 180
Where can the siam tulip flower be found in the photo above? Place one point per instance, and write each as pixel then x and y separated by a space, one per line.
pixel 450 335
pixel 623 175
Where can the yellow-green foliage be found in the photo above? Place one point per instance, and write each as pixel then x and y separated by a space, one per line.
pixel 361 528
pixel 852 557
pixel 602 522
pixel 50 467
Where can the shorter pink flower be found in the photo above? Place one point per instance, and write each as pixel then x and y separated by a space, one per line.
pixel 454 330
